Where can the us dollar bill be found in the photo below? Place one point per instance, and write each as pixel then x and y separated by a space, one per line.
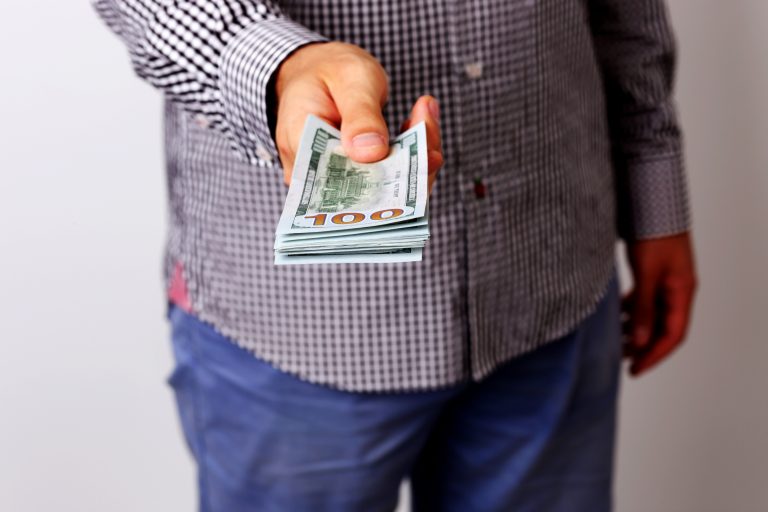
pixel 330 192
pixel 341 211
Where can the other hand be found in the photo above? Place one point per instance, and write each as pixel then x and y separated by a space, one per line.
pixel 658 309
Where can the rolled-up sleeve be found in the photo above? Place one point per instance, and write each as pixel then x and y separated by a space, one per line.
pixel 636 50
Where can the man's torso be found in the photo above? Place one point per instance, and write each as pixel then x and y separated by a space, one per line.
pixel 522 216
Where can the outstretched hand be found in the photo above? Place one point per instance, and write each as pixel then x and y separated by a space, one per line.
pixel 345 86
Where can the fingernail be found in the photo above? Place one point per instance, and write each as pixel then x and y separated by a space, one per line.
pixel 368 140
pixel 434 109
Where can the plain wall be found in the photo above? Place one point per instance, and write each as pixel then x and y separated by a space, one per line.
pixel 87 422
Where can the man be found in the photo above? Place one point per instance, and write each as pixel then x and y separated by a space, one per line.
pixel 486 373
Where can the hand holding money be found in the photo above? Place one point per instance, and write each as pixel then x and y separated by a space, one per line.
pixel 341 211
pixel 345 86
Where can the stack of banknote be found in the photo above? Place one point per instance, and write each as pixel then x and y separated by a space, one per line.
pixel 342 211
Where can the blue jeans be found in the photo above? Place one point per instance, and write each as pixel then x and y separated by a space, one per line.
pixel 537 435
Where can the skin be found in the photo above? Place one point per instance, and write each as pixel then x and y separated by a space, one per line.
pixel 347 87
pixel 658 310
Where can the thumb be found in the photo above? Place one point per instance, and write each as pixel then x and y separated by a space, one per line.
pixel 364 133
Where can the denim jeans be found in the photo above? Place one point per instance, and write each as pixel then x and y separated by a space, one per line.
pixel 537 435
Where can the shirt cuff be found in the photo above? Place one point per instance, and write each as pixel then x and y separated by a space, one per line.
pixel 657 197
pixel 247 64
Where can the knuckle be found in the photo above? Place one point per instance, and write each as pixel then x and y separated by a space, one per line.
pixel 437 159
pixel 354 60
pixel 344 47
pixel 346 64
pixel 284 149
pixel 356 64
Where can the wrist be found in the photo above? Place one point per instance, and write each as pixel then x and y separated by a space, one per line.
pixel 248 64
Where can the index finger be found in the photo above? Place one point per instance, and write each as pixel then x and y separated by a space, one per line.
pixel 427 109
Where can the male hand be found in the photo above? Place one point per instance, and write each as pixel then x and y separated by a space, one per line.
pixel 658 309
pixel 347 87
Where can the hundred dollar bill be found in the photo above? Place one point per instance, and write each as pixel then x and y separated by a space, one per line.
pixel 330 192
pixel 399 256
pixel 280 240
pixel 341 211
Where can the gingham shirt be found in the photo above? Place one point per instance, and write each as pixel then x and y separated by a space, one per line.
pixel 554 112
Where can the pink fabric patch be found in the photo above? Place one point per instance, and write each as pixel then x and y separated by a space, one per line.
pixel 178 292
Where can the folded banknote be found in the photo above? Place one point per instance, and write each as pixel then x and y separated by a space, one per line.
pixel 341 211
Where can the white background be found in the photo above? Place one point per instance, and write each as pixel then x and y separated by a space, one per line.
pixel 86 420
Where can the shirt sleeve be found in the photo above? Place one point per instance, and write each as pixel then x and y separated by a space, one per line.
pixel 636 51
pixel 214 58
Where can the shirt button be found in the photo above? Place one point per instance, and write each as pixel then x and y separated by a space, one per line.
pixel 262 153
pixel 479 188
pixel 474 69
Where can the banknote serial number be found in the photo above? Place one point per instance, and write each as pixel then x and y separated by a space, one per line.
pixel 354 217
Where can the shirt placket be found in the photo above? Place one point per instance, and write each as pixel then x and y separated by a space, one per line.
pixel 469 69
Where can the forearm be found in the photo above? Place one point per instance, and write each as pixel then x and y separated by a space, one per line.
pixel 636 50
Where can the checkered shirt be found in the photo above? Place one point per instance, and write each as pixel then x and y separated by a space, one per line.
pixel 559 133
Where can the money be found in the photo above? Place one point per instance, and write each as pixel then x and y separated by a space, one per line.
pixel 341 211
